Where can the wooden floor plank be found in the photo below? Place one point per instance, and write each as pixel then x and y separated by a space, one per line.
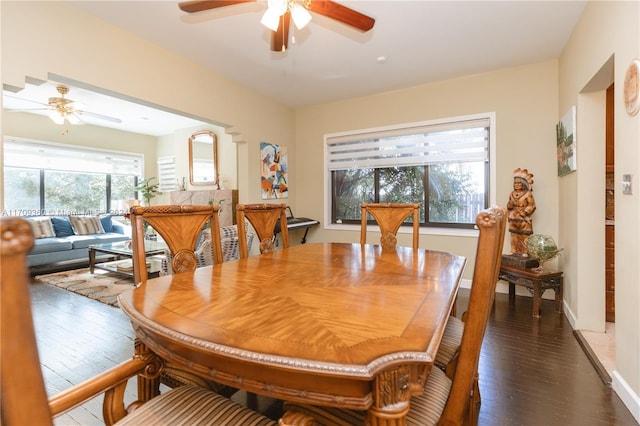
pixel 532 371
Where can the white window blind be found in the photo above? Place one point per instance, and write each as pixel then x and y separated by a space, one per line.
pixel 44 155
pixel 453 141
pixel 167 177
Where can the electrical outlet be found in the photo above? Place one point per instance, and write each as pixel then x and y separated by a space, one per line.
pixel 626 185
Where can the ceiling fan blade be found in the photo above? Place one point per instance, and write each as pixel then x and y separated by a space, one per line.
pixel 342 14
pixel 202 5
pixel 26 100
pixel 280 38
pixel 81 113
pixel 30 109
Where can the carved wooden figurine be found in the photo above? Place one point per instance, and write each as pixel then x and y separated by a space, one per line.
pixel 521 206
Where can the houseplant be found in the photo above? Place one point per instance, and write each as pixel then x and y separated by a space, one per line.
pixel 148 190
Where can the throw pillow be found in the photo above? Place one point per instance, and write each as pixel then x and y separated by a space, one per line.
pixel 62 226
pixel 107 225
pixel 86 225
pixel 42 227
pixel 203 256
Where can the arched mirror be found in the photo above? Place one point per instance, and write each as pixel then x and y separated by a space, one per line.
pixel 203 158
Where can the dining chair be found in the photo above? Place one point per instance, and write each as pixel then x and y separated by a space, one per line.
pixel 263 218
pixel 446 401
pixel 181 227
pixel 389 217
pixel 23 396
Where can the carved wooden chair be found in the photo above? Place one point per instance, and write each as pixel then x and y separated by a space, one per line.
pixel 389 217
pixel 23 397
pixel 180 227
pixel 445 401
pixel 263 218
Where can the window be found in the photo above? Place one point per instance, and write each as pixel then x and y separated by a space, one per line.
pixel 443 165
pixel 167 177
pixel 43 178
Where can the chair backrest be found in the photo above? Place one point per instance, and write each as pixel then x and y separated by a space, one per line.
pixel 22 390
pixel 491 223
pixel 263 218
pixel 389 217
pixel 180 227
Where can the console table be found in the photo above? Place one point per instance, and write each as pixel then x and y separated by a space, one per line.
pixel 537 282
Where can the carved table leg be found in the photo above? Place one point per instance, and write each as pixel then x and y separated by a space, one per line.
pixel 149 381
pixel 391 398
pixel 559 295
pixel 537 295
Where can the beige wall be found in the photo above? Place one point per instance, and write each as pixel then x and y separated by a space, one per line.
pixel 524 100
pixel 104 56
pixel 607 30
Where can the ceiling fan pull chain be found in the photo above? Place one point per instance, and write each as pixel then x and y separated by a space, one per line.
pixel 284 43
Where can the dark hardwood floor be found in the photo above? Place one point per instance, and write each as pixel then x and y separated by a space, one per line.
pixel 532 372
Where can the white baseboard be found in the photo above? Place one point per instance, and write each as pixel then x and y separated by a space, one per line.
pixel 630 399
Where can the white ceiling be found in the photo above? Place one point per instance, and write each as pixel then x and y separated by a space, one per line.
pixel 420 41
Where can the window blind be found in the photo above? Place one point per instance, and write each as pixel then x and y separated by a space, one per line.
pixel 43 155
pixel 167 177
pixel 464 140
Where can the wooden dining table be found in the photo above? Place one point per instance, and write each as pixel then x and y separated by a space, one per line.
pixel 334 324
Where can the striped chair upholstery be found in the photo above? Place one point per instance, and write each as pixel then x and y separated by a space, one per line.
pixel 450 343
pixel 192 405
pixel 425 409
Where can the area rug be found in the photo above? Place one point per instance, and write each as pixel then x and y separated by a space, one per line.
pixel 103 286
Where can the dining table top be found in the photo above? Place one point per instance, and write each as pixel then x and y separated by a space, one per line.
pixel 300 317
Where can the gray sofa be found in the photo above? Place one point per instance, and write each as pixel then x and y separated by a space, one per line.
pixel 67 245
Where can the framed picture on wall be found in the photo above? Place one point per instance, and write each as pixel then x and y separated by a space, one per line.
pixel 274 174
pixel 566 142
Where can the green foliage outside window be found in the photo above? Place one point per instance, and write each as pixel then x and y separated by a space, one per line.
pixel 452 190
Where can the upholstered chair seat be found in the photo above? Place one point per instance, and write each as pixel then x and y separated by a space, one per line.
pixel 450 343
pixel 426 409
pixel 190 405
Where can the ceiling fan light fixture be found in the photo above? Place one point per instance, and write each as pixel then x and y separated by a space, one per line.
pixel 56 117
pixel 279 7
pixel 270 20
pixel 301 16
pixel 72 118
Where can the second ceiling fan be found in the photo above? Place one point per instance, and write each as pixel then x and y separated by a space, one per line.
pixel 279 14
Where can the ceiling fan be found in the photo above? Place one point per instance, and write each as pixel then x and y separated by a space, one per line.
pixel 280 12
pixel 63 109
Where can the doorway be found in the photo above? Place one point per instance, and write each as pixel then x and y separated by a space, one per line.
pixel 602 344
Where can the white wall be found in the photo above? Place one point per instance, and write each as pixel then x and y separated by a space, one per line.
pixel 606 30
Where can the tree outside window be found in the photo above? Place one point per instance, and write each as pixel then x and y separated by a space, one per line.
pixel 442 166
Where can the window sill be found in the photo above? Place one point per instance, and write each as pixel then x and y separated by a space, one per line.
pixel 451 232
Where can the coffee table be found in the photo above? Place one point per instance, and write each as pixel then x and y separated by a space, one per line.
pixel 121 250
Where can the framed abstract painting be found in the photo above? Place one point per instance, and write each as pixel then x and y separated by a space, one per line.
pixel 274 173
